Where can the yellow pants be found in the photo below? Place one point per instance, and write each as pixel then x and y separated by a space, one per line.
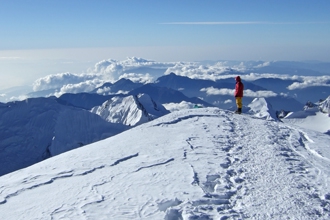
pixel 239 102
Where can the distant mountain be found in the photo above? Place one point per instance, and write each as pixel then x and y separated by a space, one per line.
pixel 286 103
pixel 166 95
pixel 274 84
pixel 83 100
pixel 42 128
pixel 310 93
pixel 130 110
pixel 172 88
pixel 230 84
pixel 325 106
pixel 188 86
pixel 302 95
pixel 42 93
pixel 123 84
pixel 193 88
pixel 278 102
pixel 104 89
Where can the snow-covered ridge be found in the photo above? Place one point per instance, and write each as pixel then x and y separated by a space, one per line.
pixel 211 164
pixel 39 128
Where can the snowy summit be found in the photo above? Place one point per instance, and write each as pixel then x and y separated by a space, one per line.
pixel 201 163
pixel 131 110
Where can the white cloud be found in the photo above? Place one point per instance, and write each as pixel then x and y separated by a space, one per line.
pixel 259 94
pixel 195 70
pixel 263 65
pixel 107 91
pixel 215 91
pixel 303 81
pixel 103 90
pixel 121 92
pixel 247 93
pixel 308 81
pixel 59 80
pixel 228 101
pixel 255 76
pixel 178 106
pixel 86 86
pixel 18 98
pixel 137 77
pixel 135 69
pixel 146 71
pixel 112 69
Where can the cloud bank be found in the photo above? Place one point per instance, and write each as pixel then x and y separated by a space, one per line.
pixel 309 81
pixel 147 71
pixel 112 70
pixel 135 69
pixel 216 71
pixel 172 107
pixel 61 79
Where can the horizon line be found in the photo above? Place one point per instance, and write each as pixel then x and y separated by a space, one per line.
pixel 238 23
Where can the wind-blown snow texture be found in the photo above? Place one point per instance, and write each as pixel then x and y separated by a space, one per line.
pixel 192 164
pixel 38 128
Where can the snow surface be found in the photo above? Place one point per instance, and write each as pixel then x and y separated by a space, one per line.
pixel 202 163
pixel 310 119
pixel 315 117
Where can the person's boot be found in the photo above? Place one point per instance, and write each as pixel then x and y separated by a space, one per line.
pixel 239 111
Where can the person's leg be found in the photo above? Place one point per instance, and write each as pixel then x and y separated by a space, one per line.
pixel 239 104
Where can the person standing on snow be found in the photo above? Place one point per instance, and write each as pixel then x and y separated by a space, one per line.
pixel 239 94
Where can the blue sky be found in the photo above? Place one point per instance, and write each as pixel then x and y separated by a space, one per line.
pixel 41 37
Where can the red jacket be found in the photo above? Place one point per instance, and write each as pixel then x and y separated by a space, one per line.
pixel 239 87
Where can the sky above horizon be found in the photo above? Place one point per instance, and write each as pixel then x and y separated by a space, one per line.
pixel 47 37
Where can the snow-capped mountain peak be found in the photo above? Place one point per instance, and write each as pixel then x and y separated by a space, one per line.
pixel 261 108
pixel 325 106
pixel 130 110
